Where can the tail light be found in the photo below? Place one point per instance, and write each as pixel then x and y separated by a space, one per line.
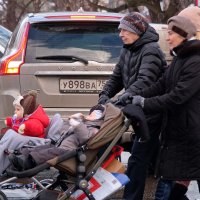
pixel 10 65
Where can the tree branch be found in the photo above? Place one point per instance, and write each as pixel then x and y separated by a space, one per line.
pixel 117 9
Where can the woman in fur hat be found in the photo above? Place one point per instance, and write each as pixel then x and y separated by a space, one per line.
pixel 177 95
pixel 180 187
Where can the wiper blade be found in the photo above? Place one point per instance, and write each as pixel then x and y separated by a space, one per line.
pixel 71 58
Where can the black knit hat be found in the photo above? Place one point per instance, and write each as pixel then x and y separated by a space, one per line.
pixel 134 22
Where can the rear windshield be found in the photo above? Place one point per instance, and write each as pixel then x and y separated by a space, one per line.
pixel 93 41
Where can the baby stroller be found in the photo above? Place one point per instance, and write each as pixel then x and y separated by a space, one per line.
pixel 81 163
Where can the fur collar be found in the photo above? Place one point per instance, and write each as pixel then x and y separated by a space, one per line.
pixel 188 48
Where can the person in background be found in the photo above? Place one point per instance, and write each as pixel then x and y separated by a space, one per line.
pixel 140 64
pixel 177 94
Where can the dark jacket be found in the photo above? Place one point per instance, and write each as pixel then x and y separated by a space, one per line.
pixel 140 65
pixel 177 93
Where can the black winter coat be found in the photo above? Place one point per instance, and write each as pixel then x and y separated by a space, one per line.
pixel 179 98
pixel 140 65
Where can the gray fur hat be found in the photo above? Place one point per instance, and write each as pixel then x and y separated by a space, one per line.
pixel 182 26
pixel 193 13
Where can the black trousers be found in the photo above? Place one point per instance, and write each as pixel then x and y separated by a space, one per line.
pixel 138 164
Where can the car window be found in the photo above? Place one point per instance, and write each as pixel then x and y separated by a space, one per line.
pixel 13 42
pixel 4 35
pixel 4 38
pixel 94 41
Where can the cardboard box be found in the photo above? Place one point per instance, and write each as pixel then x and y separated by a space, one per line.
pixel 116 167
pixel 102 185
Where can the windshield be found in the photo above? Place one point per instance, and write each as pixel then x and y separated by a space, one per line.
pixel 92 41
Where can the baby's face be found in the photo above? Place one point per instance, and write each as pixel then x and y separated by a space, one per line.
pixel 90 117
pixel 19 111
pixel 96 114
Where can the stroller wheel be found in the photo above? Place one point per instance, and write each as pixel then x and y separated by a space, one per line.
pixel 2 196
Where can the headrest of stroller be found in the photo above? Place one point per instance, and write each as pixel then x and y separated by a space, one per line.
pixel 111 111
pixel 113 121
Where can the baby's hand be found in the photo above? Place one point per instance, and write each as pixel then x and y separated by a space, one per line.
pixel 21 129
pixel 77 116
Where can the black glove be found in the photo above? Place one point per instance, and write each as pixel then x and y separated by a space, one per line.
pixel 138 101
pixel 124 99
pixel 103 99
pixel 138 121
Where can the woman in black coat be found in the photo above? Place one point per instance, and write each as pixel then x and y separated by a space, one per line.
pixel 177 94
pixel 141 64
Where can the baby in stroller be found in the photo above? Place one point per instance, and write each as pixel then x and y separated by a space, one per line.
pixel 76 131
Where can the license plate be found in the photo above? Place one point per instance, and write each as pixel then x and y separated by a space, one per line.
pixel 81 86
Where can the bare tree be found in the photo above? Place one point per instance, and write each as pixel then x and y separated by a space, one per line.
pixel 15 9
pixel 12 10
pixel 8 18
pixel 154 7
pixel 175 6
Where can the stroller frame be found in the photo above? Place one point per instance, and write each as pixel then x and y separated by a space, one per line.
pixel 82 177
